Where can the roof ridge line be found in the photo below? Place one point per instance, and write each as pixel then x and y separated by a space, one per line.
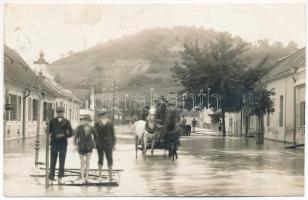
pixel 285 57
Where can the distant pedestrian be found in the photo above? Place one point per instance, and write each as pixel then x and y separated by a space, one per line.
pixel 194 123
pixel 184 127
pixel 105 141
pixel 60 129
pixel 219 127
pixel 183 120
pixel 84 140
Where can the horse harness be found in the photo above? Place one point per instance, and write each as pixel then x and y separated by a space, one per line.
pixel 148 129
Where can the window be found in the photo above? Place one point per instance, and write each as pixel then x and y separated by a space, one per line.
pixel 48 111
pixel 34 109
pixel 281 111
pixel 8 112
pixel 302 113
pixel 14 111
pixel 230 124
pixel 18 108
pixel 29 109
pixel 50 107
pixel 251 121
pixel 45 111
pixel 268 119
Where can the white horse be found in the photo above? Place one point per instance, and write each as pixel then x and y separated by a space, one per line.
pixel 142 134
pixel 139 132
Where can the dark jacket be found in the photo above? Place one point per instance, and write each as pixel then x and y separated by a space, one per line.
pixel 194 122
pixel 60 131
pixel 104 135
pixel 83 140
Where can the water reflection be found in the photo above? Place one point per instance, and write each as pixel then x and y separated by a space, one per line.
pixel 207 165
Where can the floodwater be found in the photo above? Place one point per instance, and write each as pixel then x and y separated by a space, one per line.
pixel 207 166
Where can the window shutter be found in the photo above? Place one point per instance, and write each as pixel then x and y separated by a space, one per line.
pixel 302 113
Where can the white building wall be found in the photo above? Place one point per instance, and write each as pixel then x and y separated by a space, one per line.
pixel 233 124
pixel 14 128
pixel 273 130
pixel 204 119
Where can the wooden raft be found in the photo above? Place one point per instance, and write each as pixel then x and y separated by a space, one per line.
pixel 71 176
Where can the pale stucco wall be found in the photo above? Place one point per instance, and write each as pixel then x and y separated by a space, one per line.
pixel 13 129
pixel 233 124
pixel 285 133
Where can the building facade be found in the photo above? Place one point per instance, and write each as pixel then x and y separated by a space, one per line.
pixel 31 97
pixel 287 78
pixel 233 124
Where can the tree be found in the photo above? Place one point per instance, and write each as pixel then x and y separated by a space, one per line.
pixel 259 103
pixel 263 43
pixel 219 66
pixel 58 78
pixel 278 44
pixel 292 45
pixel 98 68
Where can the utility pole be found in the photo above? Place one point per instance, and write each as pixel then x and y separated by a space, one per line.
pixel 113 93
pixel 113 99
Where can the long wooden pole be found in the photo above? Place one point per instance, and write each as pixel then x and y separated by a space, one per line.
pixel 47 155
pixel 113 99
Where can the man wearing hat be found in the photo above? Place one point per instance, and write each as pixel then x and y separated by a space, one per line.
pixel 105 141
pixel 59 130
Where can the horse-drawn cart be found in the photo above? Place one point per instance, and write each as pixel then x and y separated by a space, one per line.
pixel 155 134
pixel 161 144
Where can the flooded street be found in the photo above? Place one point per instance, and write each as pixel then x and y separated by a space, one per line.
pixel 207 166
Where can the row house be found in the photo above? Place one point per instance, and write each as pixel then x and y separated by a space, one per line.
pixel 287 78
pixel 31 97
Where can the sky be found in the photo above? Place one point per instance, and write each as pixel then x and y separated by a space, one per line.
pixel 57 29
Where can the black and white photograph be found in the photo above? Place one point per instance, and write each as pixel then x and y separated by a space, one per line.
pixel 153 99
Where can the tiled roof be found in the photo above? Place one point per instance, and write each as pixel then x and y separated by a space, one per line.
pixel 286 65
pixel 59 90
pixel 82 93
pixel 18 71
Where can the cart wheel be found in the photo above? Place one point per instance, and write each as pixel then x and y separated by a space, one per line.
pixel 136 145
